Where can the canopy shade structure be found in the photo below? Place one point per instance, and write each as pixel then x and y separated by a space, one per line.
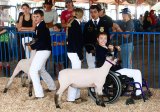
pixel 150 2
pixel 156 6
pixel 117 1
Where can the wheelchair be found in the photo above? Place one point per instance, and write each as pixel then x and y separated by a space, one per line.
pixel 111 90
pixel 116 86
pixel 129 89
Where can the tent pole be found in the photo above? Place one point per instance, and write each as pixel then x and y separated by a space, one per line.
pixel 136 11
pixel 117 8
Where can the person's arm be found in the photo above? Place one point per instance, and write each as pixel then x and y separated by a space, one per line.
pixel 3 31
pixel 20 28
pixel 117 28
pixel 55 17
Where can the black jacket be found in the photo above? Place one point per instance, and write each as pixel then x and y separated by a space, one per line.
pixel 101 54
pixel 75 39
pixel 43 38
pixel 91 32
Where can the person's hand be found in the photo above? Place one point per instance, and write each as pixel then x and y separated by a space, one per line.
pixel 68 25
pixel 20 29
pixel 118 48
pixel 29 47
pixel 27 44
pixel 111 47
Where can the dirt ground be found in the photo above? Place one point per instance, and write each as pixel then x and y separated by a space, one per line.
pixel 17 100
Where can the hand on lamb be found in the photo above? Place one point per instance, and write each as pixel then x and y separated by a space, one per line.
pixel 118 48
pixel 111 47
pixel 29 47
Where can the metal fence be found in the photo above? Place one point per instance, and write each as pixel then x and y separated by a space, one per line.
pixel 146 53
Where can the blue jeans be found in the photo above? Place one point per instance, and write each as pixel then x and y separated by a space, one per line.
pixel 126 55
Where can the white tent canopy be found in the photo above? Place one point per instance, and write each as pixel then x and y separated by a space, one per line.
pixel 156 6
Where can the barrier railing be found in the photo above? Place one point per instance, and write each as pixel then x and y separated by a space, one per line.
pixel 146 53
pixel 14 49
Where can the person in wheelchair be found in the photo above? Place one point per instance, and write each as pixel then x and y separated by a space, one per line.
pixel 101 51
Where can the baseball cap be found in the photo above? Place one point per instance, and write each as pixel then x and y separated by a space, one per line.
pixel 125 11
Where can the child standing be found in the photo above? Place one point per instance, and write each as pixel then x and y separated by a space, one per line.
pixel 4 52
pixel 43 51
pixel 74 49
pixel 58 49
pixel 102 51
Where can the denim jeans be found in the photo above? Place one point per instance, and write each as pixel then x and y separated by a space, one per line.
pixel 126 54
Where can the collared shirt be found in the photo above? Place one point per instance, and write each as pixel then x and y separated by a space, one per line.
pixel 96 20
pixel 37 26
pixel 78 21
pixel 39 23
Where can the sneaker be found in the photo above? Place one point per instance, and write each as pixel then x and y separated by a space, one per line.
pixel 138 97
pixel 38 98
pixel 47 90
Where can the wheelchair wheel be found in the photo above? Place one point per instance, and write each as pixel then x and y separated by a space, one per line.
pixel 111 89
pixel 125 86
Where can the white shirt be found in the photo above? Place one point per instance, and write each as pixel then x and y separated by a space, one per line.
pixel 51 16
pixel 96 20
pixel 78 21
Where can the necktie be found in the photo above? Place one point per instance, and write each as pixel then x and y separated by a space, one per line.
pixel 95 23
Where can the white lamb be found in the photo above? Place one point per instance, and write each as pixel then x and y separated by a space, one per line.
pixel 23 65
pixel 83 78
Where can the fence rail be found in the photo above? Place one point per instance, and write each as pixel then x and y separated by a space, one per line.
pixel 146 53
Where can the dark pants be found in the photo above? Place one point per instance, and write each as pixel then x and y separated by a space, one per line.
pixel 21 52
pixel 4 53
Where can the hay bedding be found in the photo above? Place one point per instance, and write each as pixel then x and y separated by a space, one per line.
pixel 17 100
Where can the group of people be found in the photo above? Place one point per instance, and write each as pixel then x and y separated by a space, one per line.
pixel 94 37
pixel 149 22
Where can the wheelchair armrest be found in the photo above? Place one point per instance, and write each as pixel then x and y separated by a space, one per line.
pixel 118 73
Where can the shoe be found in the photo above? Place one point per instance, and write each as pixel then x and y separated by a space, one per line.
pixel 47 90
pixel 130 101
pixel 138 97
pixel 38 98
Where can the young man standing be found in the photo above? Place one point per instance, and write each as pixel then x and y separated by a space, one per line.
pixel 43 51
pixel 91 30
pixel 127 47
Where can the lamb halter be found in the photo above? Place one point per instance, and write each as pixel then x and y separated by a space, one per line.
pixel 110 62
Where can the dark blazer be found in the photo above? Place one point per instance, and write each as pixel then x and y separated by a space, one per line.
pixel 43 38
pixel 101 54
pixel 91 32
pixel 75 39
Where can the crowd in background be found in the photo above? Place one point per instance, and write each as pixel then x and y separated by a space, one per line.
pixel 150 21
pixel 71 20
